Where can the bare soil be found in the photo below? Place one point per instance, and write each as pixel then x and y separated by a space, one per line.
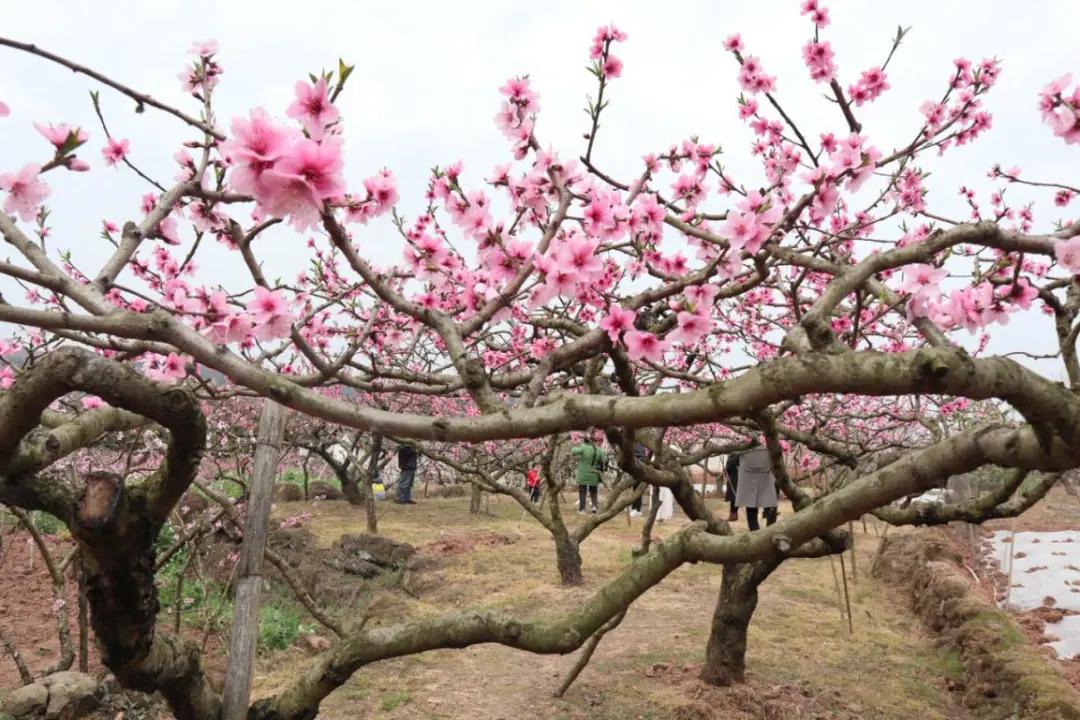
pixel 802 663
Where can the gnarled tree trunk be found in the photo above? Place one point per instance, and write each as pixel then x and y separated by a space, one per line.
pixel 568 556
pixel 725 655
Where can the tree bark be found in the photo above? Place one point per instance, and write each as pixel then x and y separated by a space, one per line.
pixel 249 570
pixel 568 556
pixel 725 655
pixel 474 500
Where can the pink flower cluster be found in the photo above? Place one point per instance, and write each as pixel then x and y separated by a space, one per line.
pixel 749 225
pixel 818 15
pixel 752 76
pixel 818 56
pixel 164 368
pixel 972 307
pixel 608 65
pixel 289 175
pixel 203 74
pixel 1061 110
pixel 871 84
pixel 517 116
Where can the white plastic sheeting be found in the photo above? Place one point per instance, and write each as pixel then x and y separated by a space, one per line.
pixel 1048 566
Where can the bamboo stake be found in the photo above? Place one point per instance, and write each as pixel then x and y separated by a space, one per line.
pixel 836 585
pixel 847 597
pixel 854 572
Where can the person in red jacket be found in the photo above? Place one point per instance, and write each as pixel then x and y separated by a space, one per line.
pixel 532 481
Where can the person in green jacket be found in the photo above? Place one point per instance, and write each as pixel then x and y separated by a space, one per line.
pixel 591 464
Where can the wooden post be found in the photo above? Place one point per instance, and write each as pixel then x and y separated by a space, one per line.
pixel 373 470
pixel 237 694
pixel 854 571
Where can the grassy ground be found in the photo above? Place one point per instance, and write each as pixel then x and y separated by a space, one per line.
pixel 803 663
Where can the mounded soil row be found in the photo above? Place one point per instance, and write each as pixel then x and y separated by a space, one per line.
pixel 1004 676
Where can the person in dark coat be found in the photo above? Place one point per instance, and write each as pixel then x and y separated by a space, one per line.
pixel 406 460
pixel 731 467
pixel 641 454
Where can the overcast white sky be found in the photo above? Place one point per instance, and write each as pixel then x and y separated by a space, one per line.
pixel 426 87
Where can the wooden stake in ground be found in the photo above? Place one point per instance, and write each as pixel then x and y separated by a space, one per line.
pixel 836 584
pixel 847 597
pixel 237 694
pixel 854 572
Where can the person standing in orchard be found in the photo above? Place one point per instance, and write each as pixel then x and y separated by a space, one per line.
pixel 532 481
pixel 731 468
pixel 756 486
pixel 591 463
pixel 406 458
pixel 641 454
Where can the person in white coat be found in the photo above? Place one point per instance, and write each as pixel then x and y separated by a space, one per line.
pixel 667 504
pixel 757 486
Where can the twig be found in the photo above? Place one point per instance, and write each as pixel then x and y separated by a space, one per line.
pixel 587 652
pixel 24 672
pixel 140 98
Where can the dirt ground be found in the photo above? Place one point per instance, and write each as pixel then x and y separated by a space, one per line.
pixel 802 663
pixel 27 618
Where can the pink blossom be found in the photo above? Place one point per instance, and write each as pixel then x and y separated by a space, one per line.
pixel 204 48
pixel 91 402
pixel 733 43
pixel 25 192
pixel 1067 253
pixel 313 108
pixel 921 279
pixel 270 314
pixel 612 67
pixel 691 328
pixel 299 182
pixel 114 151
pixel 61 135
pixel 256 145
pixel 617 322
pixel 745 231
pixel 645 346
pixel 4 110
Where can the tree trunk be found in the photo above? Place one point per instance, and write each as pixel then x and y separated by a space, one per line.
pixel 350 487
pixel 725 655
pixel 474 500
pixel 568 556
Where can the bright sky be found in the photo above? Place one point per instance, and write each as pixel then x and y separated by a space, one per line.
pixel 426 89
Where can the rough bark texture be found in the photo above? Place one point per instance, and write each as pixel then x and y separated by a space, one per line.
pixel 568 556
pixel 725 654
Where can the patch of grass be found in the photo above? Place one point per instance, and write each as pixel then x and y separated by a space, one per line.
pixel 47 524
pixel 279 624
pixel 952 665
pixel 395 700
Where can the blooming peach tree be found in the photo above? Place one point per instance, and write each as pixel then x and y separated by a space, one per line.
pixel 822 304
